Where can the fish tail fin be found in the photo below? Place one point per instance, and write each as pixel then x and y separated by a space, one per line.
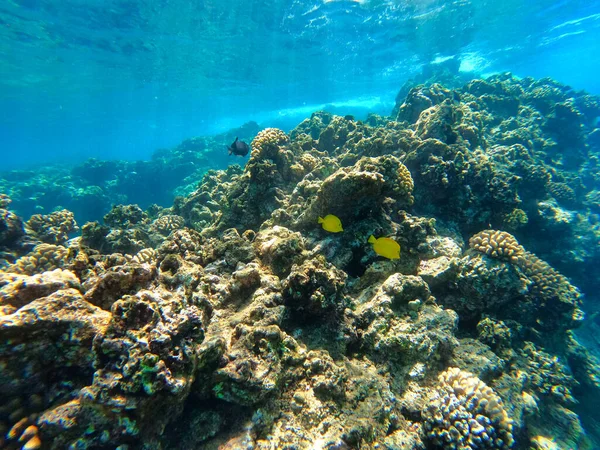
pixel 321 220
pixel 372 239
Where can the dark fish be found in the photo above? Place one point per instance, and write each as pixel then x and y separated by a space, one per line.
pixel 239 148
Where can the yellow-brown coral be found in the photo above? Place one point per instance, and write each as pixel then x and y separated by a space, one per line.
pixel 168 223
pixel 20 415
pixel 4 200
pixel 498 244
pixel 398 180
pixel 144 256
pixel 517 218
pixel 464 413
pixel 52 228
pixel 267 141
pixel 562 192
pixel 547 280
pixel 44 257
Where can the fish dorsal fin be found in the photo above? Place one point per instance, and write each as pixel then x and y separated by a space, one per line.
pixel 372 239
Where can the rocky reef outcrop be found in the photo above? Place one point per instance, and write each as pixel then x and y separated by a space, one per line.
pixel 232 319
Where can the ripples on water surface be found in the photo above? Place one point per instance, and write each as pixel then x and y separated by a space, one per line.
pixel 120 78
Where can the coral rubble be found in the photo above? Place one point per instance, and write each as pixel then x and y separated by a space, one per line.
pixel 231 319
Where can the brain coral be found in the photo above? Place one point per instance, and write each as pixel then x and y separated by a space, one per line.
pixel 464 413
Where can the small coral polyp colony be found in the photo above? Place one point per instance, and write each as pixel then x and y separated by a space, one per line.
pixel 390 283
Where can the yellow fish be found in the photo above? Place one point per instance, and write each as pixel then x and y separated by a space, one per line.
pixel 331 223
pixel 385 247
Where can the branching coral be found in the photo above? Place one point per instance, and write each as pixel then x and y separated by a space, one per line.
pixel 23 433
pixel 4 201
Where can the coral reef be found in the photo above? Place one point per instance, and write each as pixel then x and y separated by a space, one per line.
pixel 466 413
pixel 42 258
pixel 551 289
pixel 231 319
pixel 53 228
pixel 91 188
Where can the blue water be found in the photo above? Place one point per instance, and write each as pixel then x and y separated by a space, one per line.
pixel 119 79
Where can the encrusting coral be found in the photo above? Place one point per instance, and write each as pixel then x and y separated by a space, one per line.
pixel 233 319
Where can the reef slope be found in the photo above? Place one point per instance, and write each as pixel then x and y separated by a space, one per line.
pixel 233 320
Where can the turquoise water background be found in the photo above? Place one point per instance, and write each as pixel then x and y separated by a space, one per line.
pixel 119 79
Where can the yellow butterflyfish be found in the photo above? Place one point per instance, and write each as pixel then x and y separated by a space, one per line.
pixel 331 223
pixel 386 247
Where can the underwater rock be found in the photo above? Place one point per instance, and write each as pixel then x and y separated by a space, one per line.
pixel 362 189
pixel 279 248
pixel 11 229
pixel 93 235
pixel 397 322
pixel 477 358
pixel 124 216
pixel 228 250
pixel 18 290
pixel 421 98
pixel 49 340
pixel 484 286
pixel 314 290
pixel 253 372
pixel 146 360
pixel 111 285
